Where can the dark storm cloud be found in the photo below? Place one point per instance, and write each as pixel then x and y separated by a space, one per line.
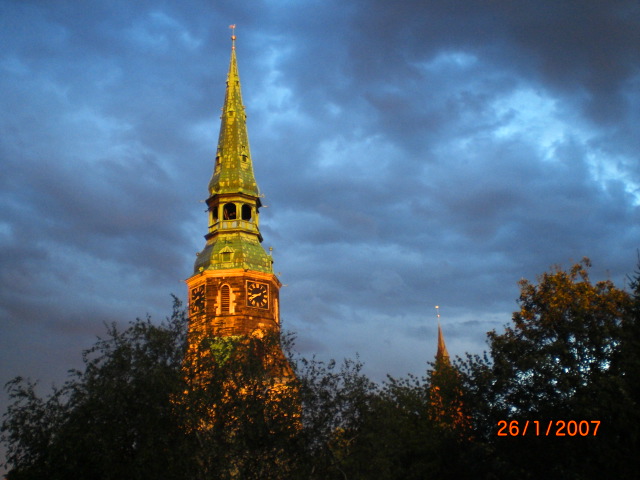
pixel 459 136
pixel 411 154
pixel 571 46
pixel 378 51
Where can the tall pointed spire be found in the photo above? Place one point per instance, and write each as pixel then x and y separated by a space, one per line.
pixel 234 238
pixel 233 172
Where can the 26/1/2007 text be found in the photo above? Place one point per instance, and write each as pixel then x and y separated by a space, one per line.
pixel 557 428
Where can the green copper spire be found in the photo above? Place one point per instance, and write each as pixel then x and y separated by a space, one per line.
pixel 234 239
pixel 233 171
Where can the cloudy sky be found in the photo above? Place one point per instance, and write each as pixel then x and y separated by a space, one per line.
pixel 411 153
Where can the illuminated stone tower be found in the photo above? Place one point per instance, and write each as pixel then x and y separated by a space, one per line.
pixel 233 290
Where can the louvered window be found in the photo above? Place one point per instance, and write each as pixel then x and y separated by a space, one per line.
pixel 225 298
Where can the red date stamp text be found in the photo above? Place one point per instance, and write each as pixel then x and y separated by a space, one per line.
pixel 548 428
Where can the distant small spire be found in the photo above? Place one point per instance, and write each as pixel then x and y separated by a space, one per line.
pixel 442 354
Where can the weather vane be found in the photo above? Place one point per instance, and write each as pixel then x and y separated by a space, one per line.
pixel 233 35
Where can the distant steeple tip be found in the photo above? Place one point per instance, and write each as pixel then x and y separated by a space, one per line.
pixel 442 354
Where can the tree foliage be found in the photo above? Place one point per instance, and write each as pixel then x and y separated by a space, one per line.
pixel 109 419
pixel 559 360
pixel 242 415
pixel 139 409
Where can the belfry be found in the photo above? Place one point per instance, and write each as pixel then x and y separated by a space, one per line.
pixel 233 290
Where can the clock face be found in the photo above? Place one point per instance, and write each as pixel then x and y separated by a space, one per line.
pixel 196 306
pixel 257 295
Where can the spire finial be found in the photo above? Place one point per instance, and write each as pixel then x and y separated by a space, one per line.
pixel 233 36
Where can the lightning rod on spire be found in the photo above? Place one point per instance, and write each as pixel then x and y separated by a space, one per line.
pixel 233 36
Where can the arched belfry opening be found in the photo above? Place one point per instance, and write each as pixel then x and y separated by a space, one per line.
pixel 246 212
pixel 229 211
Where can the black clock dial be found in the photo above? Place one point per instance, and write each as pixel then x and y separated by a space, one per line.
pixel 257 294
pixel 197 300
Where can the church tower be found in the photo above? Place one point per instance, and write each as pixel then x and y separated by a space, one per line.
pixel 446 407
pixel 233 290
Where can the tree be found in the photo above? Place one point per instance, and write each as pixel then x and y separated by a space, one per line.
pixel 625 368
pixel 137 410
pixel 446 404
pixel 556 362
pixel 334 398
pixel 114 419
pixel 242 409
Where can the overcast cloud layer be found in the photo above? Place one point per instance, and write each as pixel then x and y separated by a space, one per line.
pixel 411 154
